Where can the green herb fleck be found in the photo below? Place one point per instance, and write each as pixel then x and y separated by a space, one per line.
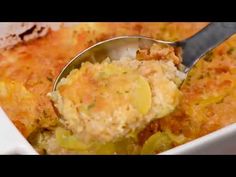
pixel 91 105
pixel 220 101
pixel 230 51
pixel 49 79
pixel 200 77
pixel 45 113
pixel 208 56
pixel 102 74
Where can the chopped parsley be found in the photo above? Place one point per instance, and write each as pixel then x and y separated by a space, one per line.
pixel 208 56
pixel 49 79
pixel 91 105
pixel 45 113
pixel 200 77
pixel 118 92
pixel 230 51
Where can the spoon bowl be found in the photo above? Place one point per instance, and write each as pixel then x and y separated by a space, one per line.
pixel 115 48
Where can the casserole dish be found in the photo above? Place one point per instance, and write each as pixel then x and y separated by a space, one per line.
pixel 37 62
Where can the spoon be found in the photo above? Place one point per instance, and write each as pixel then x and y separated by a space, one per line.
pixel 193 48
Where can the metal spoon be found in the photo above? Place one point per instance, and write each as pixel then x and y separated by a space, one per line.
pixel 126 46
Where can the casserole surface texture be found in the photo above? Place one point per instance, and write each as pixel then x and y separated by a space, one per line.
pixel 28 70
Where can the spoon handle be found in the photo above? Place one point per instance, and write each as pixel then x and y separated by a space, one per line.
pixel 205 40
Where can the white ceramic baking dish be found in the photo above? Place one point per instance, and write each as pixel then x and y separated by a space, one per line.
pixel 222 141
pixel 11 140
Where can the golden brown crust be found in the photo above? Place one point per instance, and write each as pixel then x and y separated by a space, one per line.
pixel 35 64
pixel 159 52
